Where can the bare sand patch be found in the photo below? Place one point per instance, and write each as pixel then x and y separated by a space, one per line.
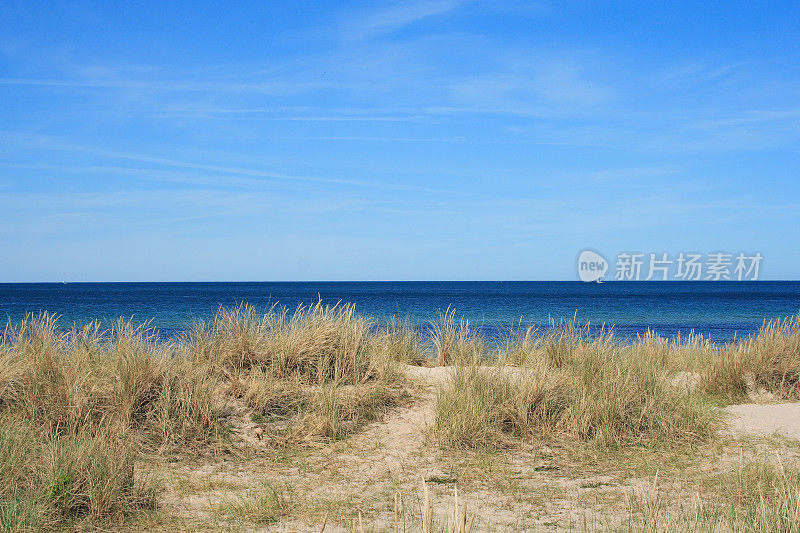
pixel 764 419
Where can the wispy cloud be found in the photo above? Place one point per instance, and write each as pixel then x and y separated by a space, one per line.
pixel 166 85
pixel 50 143
pixel 399 15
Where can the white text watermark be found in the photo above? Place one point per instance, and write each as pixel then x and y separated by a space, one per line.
pixel 683 266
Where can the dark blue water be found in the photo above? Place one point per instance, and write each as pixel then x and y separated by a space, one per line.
pixel 719 310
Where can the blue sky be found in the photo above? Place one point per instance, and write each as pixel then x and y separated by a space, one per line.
pixel 433 139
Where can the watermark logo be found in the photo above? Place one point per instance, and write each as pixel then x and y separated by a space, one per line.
pixel 633 266
pixel 591 266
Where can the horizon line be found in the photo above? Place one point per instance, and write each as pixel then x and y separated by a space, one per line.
pixel 64 282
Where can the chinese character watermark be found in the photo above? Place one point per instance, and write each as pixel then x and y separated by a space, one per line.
pixel 689 267
pixel 685 266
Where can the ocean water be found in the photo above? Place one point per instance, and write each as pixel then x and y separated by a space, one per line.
pixel 720 310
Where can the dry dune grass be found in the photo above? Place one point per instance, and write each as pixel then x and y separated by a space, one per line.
pixel 80 408
pixel 456 343
pixel 399 341
pixel 321 371
pixel 318 344
pixel 756 496
pixel 71 406
pixel 589 388
pixel 68 382
pixel 769 360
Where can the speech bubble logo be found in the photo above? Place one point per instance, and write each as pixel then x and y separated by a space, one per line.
pixel 591 266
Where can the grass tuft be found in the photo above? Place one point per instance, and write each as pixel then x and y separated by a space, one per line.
pixel 484 406
pixel 264 506
pixel 769 360
pixel 455 343
pixel 573 383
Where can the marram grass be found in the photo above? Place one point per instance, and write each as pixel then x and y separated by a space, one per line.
pixel 81 407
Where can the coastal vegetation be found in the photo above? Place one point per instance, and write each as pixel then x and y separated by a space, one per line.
pixel 99 426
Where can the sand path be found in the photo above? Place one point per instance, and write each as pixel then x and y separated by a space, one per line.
pixel 765 419
pixel 396 454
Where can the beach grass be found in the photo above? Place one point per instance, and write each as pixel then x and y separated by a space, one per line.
pixel 575 387
pixel 84 410
pixel 768 361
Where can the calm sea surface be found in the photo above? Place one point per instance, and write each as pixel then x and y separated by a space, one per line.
pixel 721 310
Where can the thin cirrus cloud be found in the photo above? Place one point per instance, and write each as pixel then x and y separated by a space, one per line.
pixel 61 145
pixel 397 16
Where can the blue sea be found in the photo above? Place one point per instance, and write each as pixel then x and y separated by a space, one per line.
pixel 722 311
